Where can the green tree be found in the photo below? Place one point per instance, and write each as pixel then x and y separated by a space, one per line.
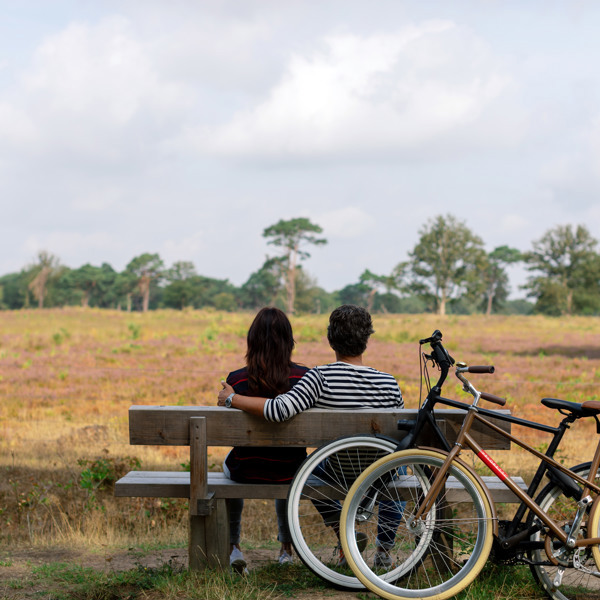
pixel 446 261
pixel 14 288
pixel 146 269
pixel 105 293
pixel 263 286
pixel 225 301
pixel 179 293
pixel 291 236
pixel 90 281
pixel 495 277
pixel 310 298
pixel 125 285
pixel 565 263
pixel 355 293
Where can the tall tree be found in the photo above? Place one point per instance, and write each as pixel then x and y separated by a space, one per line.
pixel 42 273
pixel 146 268
pixel 495 277
pixel 88 280
pixel 446 261
pixel 292 236
pixel 563 258
pixel 180 291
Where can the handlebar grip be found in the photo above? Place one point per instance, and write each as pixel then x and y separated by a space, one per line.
pixel 494 399
pixel 481 369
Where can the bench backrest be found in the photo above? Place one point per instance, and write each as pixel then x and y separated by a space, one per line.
pixel 170 426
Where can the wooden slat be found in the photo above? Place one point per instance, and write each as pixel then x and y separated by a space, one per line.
pixel 198 464
pixel 176 484
pixel 169 425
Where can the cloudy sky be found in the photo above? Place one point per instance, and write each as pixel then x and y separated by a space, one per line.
pixel 187 127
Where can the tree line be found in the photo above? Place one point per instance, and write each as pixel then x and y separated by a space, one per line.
pixel 448 271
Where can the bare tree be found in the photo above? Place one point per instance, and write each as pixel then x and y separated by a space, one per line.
pixel 146 268
pixel 46 267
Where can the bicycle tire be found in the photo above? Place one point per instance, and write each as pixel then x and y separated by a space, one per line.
pixel 316 544
pixel 575 583
pixel 437 557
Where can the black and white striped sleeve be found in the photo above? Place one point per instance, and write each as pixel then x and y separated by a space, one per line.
pixel 301 397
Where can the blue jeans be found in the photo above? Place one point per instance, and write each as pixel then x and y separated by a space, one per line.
pixel 388 517
pixel 235 507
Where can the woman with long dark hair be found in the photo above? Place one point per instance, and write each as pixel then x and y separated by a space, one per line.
pixel 269 371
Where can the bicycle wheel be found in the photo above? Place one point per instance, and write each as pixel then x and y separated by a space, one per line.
pixel 576 583
pixel 314 502
pixel 435 556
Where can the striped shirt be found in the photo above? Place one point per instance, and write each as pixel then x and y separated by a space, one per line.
pixel 338 385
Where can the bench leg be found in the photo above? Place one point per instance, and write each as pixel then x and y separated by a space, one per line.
pixel 209 539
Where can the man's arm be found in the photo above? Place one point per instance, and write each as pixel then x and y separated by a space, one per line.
pixel 249 404
pixel 301 397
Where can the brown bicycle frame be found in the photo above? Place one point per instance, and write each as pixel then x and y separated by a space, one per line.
pixel 463 438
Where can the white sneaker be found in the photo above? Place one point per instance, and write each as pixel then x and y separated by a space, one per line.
pixel 382 560
pixel 237 562
pixel 285 559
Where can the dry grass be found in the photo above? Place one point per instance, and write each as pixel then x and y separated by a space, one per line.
pixel 67 378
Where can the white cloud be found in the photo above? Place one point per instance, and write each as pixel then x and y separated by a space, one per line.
pixel 97 199
pixel 363 94
pixel 347 222
pixel 70 246
pixel 573 172
pixel 513 223
pixel 15 126
pixel 101 68
pixel 92 92
pixel 187 249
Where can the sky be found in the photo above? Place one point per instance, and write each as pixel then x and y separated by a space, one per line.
pixel 186 128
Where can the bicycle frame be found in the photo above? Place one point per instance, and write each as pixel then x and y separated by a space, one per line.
pixel 465 439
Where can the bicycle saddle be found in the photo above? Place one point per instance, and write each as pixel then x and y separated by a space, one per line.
pixel 591 408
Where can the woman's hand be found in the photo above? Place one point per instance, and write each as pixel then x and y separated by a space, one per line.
pixel 224 393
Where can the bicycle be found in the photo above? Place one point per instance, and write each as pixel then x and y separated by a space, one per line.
pixel 322 482
pixel 557 534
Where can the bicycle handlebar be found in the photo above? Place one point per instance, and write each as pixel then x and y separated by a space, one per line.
pixel 481 369
pixel 492 398
pixel 436 336
pixel 439 355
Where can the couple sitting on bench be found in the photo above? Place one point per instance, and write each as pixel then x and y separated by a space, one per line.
pixel 273 387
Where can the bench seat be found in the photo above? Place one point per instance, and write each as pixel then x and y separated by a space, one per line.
pixel 176 484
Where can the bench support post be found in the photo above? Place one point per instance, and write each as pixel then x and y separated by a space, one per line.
pixel 209 521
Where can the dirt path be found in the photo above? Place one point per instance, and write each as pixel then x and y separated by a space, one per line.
pixel 17 583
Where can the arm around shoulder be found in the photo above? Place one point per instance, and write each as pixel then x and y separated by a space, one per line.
pixel 249 404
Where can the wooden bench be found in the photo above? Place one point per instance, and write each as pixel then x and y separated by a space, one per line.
pixel 202 427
